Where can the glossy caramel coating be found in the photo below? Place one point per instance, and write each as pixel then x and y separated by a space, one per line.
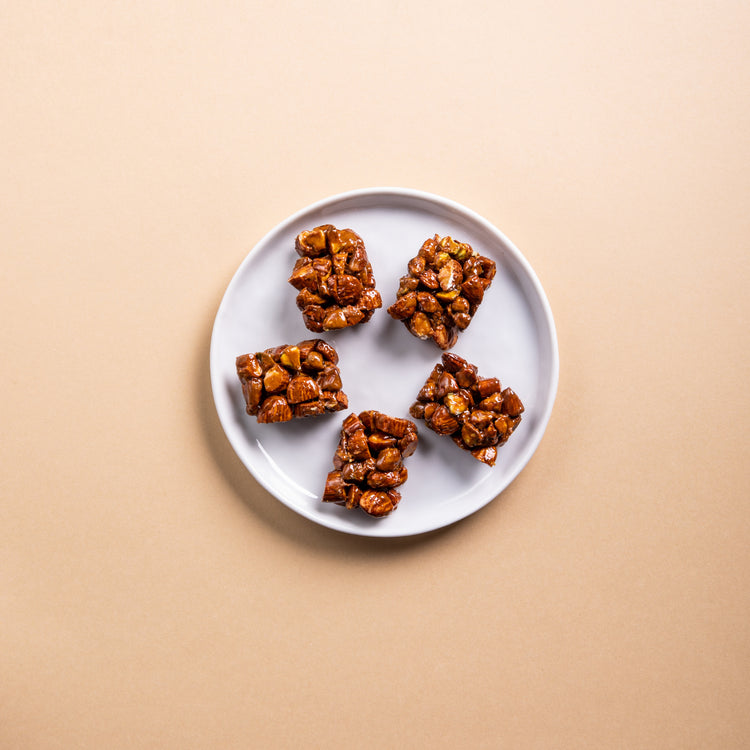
pixel 477 413
pixel 368 462
pixel 295 380
pixel 445 285
pixel 334 279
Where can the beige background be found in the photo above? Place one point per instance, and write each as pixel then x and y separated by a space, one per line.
pixel 152 595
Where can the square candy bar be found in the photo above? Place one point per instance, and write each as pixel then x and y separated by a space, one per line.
pixel 368 463
pixel 442 291
pixel 334 279
pixel 477 413
pixel 297 380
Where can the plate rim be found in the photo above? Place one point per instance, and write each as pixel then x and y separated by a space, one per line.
pixel 454 206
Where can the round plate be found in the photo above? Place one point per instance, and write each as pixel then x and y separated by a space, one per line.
pixel 512 337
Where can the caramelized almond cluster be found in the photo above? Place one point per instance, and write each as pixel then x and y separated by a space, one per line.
pixel 477 413
pixel 442 291
pixel 298 380
pixel 334 278
pixel 368 463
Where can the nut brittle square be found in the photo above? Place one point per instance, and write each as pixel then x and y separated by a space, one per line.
pixel 291 380
pixel 443 289
pixel 368 463
pixel 334 279
pixel 476 412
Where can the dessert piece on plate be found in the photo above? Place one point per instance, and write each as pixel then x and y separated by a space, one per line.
pixel 291 380
pixel 368 463
pixel 334 279
pixel 444 286
pixel 477 413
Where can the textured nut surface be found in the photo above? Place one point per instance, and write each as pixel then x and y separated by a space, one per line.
pixel 296 380
pixel 333 278
pixel 274 409
pixel 477 413
pixel 444 287
pixel 368 462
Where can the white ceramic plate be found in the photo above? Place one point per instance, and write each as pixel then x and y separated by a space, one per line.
pixel 512 337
